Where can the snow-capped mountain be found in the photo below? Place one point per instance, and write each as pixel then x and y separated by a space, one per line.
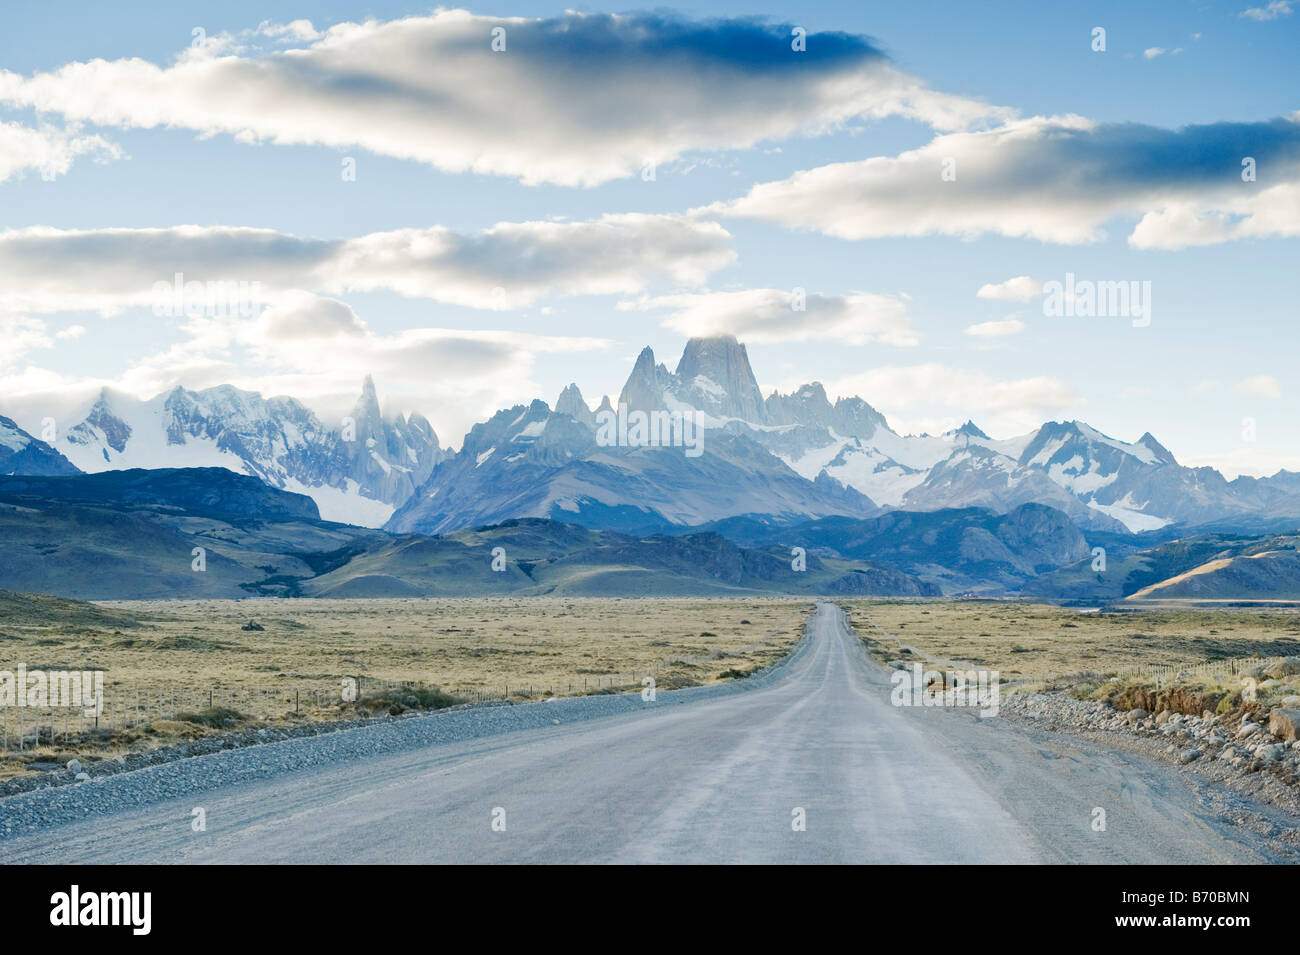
pixel 714 376
pixel 788 456
pixel 358 472
pixel 20 453
pixel 1096 479
pixel 1099 481
pixel 529 461
pixel 388 457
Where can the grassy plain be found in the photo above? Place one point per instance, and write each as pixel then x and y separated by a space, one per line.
pixel 1178 658
pixel 1039 642
pixel 181 658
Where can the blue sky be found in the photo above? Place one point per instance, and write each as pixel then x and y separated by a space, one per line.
pixel 899 294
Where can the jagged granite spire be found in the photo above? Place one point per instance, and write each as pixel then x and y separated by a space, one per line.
pixel 645 387
pixel 571 403
pixel 715 372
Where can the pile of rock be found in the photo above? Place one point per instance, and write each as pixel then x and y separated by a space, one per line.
pixel 1247 745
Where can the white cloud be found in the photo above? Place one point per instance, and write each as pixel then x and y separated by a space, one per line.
pixel 772 315
pixel 1009 326
pixel 615 254
pixel 303 317
pixel 509 265
pixel 48 150
pixel 1019 289
pixel 297 30
pixel 1056 179
pixel 578 100
pixel 317 350
pixel 1262 386
pixel 1273 212
pixel 914 397
pixel 1276 9
pixel 1152 52
pixel 20 335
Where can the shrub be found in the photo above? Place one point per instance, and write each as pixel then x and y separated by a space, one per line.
pixel 215 717
pixel 409 698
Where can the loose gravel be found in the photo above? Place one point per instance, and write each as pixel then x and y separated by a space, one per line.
pixel 1226 748
pixel 210 763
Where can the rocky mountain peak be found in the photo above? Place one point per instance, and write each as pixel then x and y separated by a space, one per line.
pixel 572 404
pixel 367 407
pixel 417 423
pixel 356 471
pixel 1163 454
pixel 971 430
pixel 812 392
pixel 808 405
pixel 715 372
pixel 855 418
pixel 645 387
pixel 21 453
pixel 102 423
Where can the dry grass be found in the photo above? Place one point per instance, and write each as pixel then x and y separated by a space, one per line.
pixel 1041 646
pixel 185 656
pixel 1039 642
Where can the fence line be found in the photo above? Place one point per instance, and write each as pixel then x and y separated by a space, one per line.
pixel 1170 673
pixel 129 706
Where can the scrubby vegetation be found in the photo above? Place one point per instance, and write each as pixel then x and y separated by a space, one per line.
pixel 181 670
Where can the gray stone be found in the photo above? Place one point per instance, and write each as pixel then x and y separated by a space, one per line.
pixel 1284 723
pixel 1272 753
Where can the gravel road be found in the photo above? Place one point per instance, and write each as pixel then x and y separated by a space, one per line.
pixel 718 774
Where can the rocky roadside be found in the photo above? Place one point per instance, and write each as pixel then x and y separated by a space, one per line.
pixel 77 770
pixel 1258 757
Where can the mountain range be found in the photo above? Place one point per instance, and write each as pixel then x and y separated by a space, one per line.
pixel 20 453
pixel 796 457
pixel 786 458
pixel 358 470
pixel 214 533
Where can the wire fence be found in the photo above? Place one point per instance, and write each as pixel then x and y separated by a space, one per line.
pixel 122 708
pixel 1161 674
